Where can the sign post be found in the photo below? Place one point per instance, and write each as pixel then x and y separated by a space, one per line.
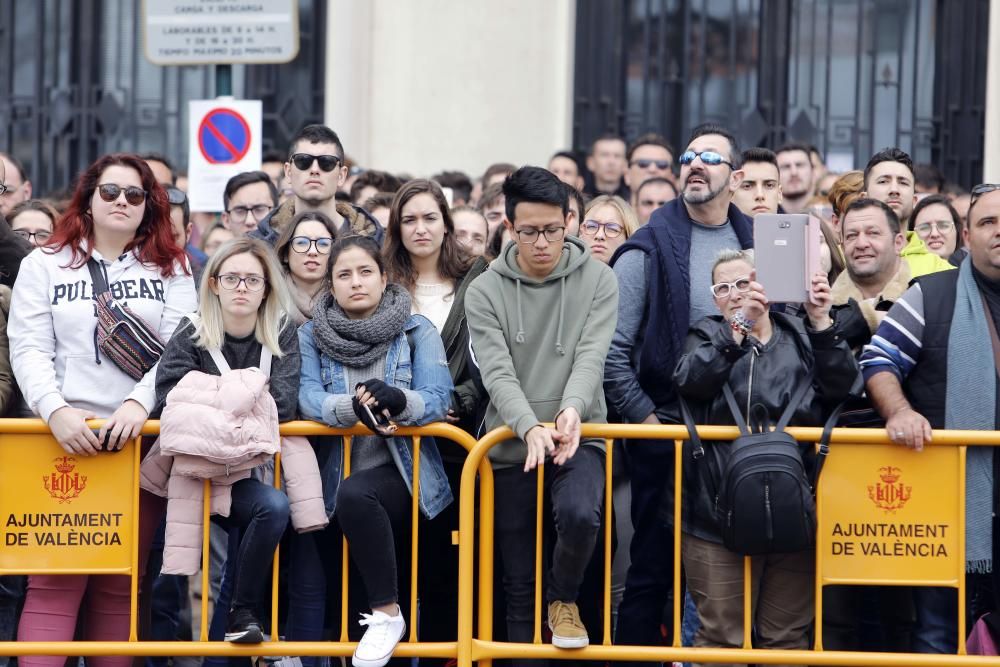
pixel 224 141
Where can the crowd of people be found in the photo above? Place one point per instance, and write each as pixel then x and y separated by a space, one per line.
pixel 619 288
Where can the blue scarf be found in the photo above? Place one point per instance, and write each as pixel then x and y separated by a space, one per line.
pixel 969 345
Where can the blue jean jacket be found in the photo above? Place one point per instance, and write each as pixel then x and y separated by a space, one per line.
pixel 323 383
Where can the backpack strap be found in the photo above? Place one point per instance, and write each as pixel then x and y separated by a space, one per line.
pixel 738 419
pixel 794 401
pixel 698 452
pixel 100 284
pixel 824 444
pixel 265 360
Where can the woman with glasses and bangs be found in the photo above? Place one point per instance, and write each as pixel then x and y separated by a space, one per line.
pixel 303 249
pixel 607 224
pixel 33 220
pixel 118 223
pixel 762 358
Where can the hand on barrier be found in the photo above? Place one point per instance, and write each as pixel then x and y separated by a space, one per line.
pixel 123 425
pixel 540 442
pixel 567 423
pixel 908 427
pixel 69 428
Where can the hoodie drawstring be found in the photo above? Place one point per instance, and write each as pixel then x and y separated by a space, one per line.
pixel 562 308
pixel 520 317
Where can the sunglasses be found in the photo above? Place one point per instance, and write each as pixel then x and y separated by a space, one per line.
pixel 646 164
pixel 109 192
pixel 710 158
pixel 981 190
pixel 175 196
pixel 303 161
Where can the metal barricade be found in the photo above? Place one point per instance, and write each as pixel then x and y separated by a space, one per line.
pixel 410 647
pixel 477 645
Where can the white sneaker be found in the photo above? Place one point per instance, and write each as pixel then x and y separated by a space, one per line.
pixel 381 637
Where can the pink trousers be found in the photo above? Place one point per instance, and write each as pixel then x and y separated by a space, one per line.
pixel 54 601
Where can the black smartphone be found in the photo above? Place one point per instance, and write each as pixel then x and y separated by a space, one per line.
pixel 106 445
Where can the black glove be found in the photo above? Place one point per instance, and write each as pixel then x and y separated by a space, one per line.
pixel 386 396
pixel 365 415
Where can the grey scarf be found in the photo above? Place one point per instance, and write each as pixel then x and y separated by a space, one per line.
pixel 969 351
pixel 358 343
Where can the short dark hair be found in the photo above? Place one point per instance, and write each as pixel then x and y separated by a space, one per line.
pixel 159 157
pixel 573 193
pixel 759 154
pixel 712 128
pixel 366 243
pixel 491 194
pixel 378 200
pixel 928 175
pixel 649 139
pixel 656 180
pixel 273 156
pixel 569 155
pixel 607 136
pixel 863 203
pixel 17 164
pixel 498 168
pixel 382 181
pixel 316 134
pixel 244 179
pixel 891 154
pixel 459 182
pixel 790 146
pixel 534 185
pixel 930 200
pixel 185 205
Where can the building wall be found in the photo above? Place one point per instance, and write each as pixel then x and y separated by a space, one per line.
pixel 991 148
pixel 425 85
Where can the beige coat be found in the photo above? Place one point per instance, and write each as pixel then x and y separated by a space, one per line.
pixel 844 288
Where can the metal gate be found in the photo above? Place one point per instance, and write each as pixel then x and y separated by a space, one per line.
pixel 74 84
pixel 849 76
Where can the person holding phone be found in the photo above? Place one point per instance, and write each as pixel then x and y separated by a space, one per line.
pixel 366 359
pixel 120 217
pixel 762 356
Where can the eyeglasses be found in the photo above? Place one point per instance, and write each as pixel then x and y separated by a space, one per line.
pixel 231 281
pixel 41 237
pixel 710 158
pixel 723 290
pixel 646 164
pixel 109 192
pixel 176 197
pixel 4 188
pixel 303 161
pixel 943 226
pixel 530 235
pixel 302 244
pixel 239 213
pixel 611 229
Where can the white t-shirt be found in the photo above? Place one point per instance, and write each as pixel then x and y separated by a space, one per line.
pixel 433 301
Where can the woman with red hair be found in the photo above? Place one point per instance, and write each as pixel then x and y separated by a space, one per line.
pixel 119 217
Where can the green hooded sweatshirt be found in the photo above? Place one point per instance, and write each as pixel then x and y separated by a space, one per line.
pixel 540 344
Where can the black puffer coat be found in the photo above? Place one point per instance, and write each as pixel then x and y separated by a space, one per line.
pixel 758 374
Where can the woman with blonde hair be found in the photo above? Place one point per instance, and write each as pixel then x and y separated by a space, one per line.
pixel 606 225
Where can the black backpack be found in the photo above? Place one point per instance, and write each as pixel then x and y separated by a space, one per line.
pixel 765 503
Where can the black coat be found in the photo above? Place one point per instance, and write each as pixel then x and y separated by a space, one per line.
pixel 758 374
pixel 12 250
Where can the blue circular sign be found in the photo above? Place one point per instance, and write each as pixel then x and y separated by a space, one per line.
pixel 223 136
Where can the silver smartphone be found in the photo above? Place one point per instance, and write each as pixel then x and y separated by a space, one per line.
pixel 786 254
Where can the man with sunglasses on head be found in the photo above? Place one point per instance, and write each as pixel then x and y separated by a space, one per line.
pixel 649 156
pixel 315 171
pixel 933 365
pixel 540 322
pixel 180 226
pixel 664 272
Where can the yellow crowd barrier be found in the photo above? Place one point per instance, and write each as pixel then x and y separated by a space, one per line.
pixel 29 456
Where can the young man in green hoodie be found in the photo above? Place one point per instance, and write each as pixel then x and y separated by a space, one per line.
pixel 541 321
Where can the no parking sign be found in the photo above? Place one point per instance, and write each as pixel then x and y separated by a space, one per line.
pixel 224 141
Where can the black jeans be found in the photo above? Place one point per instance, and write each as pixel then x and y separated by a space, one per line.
pixel 577 492
pixel 261 511
pixel 373 506
pixel 650 466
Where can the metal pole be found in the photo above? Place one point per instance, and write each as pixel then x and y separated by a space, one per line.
pixel 223 80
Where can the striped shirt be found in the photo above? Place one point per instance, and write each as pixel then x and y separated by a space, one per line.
pixel 897 342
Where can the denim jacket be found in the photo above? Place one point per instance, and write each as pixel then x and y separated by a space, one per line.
pixel 323 383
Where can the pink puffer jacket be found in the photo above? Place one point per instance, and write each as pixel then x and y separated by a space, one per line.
pixel 220 428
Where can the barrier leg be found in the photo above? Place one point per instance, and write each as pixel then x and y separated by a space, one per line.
pixel 608 523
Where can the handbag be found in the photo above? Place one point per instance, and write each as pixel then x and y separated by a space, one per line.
pixel 124 337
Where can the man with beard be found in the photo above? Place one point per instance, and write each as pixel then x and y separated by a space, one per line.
pixel 795 168
pixel 889 178
pixel 664 277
